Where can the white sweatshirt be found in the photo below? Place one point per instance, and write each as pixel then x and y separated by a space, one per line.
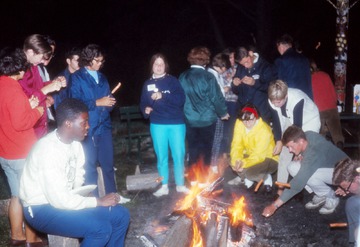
pixel 51 171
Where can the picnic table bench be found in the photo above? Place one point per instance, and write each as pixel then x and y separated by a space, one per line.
pixel 137 128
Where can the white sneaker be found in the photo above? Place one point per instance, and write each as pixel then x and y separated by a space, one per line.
pixel 329 206
pixel 182 189
pixel 235 181
pixel 124 200
pixel 316 202
pixel 164 190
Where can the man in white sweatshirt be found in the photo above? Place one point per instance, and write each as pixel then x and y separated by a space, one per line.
pixel 53 171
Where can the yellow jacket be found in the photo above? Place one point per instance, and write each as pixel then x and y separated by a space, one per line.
pixel 253 147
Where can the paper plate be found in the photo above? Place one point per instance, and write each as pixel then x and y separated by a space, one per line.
pixel 84 190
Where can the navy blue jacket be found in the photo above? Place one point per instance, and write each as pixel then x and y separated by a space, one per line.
pixel 257 94
pixel 64 93
pixel 85 88
pixel 294 69
pixel 170 108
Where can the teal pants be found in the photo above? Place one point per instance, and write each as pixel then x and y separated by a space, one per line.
pixel 173 136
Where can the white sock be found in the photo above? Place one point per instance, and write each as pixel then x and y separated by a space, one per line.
pixel 248 183
pixel 268 180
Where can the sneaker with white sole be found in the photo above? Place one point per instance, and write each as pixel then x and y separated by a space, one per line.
pixel 316 202
pixel 329 206
pixel 182 189
pixel 235 181
pixel 124 200
pixel 164 190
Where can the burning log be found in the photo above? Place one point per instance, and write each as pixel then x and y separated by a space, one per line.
pixel 286 185
pixel 210 231
pixel 340 224
pixel 142 181
pixel 235 232
pixel 180 234
pixel 148 241
pixel 222 233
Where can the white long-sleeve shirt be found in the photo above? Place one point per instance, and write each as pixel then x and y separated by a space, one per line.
pixel 51 171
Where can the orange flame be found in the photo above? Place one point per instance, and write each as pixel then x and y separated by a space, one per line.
pixel 238 212
pixel 201 173
pixel 196 240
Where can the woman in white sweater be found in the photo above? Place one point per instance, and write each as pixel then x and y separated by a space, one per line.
pixel 290 106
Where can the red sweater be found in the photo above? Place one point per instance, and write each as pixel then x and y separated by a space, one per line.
pixel 324 91
pixel 32 85
pixel 17 120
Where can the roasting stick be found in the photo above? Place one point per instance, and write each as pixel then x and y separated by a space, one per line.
pixel 286 185
pixel 116 88
pixel 258 185
pixel 340 224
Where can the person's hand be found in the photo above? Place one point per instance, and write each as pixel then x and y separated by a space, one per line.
pixel 55 85
pixel 226 117
pixel 148 110
pixel 238 166
pixel 269 210
pixel 106 101
pixel 341 192
pixel 277 148
pixel 248 80
pixel 298 157
pixel 49 101
pixel 34 101
pixel 40 109
pixel 156 96
pixel 109 200
pixel 236 81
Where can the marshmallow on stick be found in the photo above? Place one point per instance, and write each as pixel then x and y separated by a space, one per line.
pixel 116 88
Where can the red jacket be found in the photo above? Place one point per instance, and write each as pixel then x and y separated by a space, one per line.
pixel 17 120
pixel 324 92
pixel 32 85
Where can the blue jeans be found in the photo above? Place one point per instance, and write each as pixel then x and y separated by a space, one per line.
pixel 163 136
pixel 98 227
pixel 99 150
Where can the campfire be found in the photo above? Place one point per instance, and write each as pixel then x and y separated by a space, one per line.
pixel 205 220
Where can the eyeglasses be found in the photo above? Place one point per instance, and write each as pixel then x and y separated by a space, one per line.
pixel 99 61
pixel 248 120
pixel 348 188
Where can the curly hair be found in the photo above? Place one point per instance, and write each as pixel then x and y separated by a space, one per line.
pixel 88 54
pixel 345 170
pixel 199 55
pixel 12 61
pixel 69 109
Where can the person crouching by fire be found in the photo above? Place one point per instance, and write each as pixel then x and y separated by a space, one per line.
pixel 312 168
pixel 346 176
pixel 252 149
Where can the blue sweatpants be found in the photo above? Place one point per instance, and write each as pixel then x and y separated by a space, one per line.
pixel 99 149
pixel 163 136
pixel 98 227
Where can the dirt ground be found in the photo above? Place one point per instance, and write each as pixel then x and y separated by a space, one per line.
pixel 292 225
